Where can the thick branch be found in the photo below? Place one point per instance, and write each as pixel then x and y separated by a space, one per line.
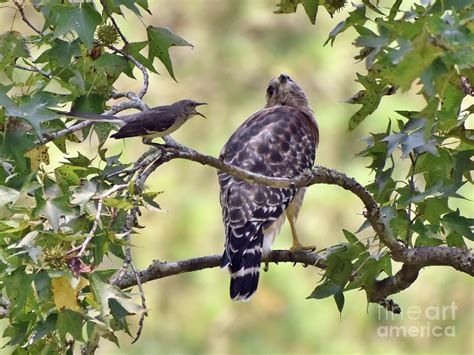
pixel 394 284
pixel 159 269
pixel 414 259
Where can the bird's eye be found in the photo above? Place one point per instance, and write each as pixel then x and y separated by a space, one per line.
pixel 270 91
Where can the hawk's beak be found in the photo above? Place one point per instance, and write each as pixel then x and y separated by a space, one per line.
pixel 199 113
pixel 283 78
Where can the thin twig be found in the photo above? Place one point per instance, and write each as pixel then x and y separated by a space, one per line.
pixel 34 69
pixel 413 160
pixel 82 248
pixel 24 18
pixel 140 66
pixel 143 300
pixel 466 86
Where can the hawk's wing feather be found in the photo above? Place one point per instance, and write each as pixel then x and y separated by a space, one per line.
pixel 276 142
pixel 148 122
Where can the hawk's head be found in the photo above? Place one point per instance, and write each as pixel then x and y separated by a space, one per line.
pixel 284 91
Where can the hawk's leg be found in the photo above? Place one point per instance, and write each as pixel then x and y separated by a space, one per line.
pixel 297 246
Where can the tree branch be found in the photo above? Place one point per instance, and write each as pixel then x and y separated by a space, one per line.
pixel 159 269
pixel 413 259
pixel 24 18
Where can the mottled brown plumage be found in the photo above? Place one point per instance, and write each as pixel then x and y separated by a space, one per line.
pixel 277 141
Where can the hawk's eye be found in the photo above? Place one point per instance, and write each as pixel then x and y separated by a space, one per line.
pixel 270 91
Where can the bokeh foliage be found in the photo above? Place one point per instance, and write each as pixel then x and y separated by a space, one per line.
pixel 420 160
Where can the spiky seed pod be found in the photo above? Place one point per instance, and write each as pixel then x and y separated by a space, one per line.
pixel 333 6
pixel 107 35
pixel 54 257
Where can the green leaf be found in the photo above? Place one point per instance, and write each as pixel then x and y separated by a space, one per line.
pixel 43 329
pixel 311 9
pixel 149 199
pixel 31 108
pixel 83 19
pixel 134 50
pixel 394 10
pixel 80 160
pixel 68 174
pixel 385 264
pixel 356 17
pixel 104 292
pixel 369 98
pixel 326 289
pixel 450 106
pixel 414 63
pixel 120 203
pixel 113 66
pixel 18 286
pixel 93 103
pixel 289 6
pixel 61 53
pixel 434 208
pixel 83 194
pixel 356 244
pixel 114 6
pixel 7 195
pixel 160 40
pixel 102 129
pixel 53 213
pixel 455 240
pixel 393 141
pixel 460 224
pixel 339 299
pixel 70 322
pixel 12 47
pixel 119 313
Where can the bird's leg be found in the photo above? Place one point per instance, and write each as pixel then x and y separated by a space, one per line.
pixel 149 141
pixel 297 246
pixel 159 146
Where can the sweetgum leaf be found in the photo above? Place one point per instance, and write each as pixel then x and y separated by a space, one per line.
pixel 160 40
pixel 83 19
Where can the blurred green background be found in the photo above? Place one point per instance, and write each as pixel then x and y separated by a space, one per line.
pixel 238 47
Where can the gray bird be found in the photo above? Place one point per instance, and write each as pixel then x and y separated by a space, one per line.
pixel 158 121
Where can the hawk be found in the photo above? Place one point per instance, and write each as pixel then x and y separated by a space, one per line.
pixel 278 141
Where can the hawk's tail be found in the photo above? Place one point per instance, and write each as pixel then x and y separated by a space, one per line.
pixel 244 268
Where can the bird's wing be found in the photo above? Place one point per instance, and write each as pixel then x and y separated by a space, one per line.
pixel 146 123
pixel 277 142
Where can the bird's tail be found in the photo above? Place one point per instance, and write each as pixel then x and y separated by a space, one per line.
pixel 244 269
pixel 95 117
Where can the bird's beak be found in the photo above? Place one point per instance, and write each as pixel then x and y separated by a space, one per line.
pixel 199 113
